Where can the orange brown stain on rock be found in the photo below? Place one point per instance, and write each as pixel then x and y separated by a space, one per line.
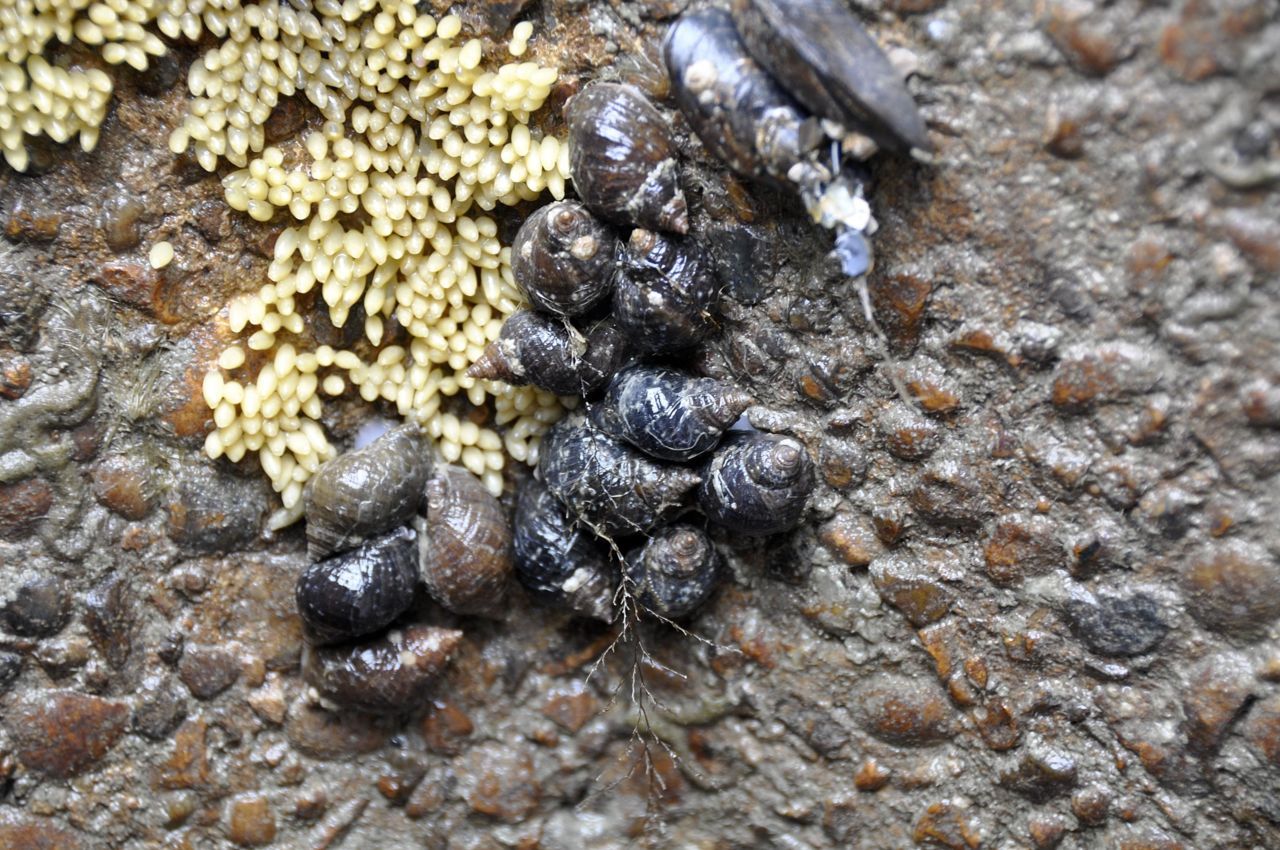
pixel 946 825
pixel 188 765
pixel 445 726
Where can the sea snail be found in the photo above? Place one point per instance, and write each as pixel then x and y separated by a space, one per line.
pixel 359 591
pixel 389 674
pixel 757 484
pixel 464 544
pixel 666 293
pixel 674 572
pixel 563 259
pixel 541 350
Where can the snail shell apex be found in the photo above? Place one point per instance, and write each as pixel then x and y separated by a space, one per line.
pixel 536 349
pixel 359 591
pixel 757 484
pixel 675 571
pixel 390 674
pixel 464 544
pixel 665 295
pixel 562 259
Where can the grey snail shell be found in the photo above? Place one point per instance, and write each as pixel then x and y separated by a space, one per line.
pixel 366 491
pixel 668 414
pixel 737 109
pixel 666 294
pixel 359 591
pixel 623 158
pixel 675 571
pixel 562 259
pixel 390 674
pixel 823 55
pixel 536 349
pixel 757 484
pixel 559 562
pixel 464 544
pixel 606 484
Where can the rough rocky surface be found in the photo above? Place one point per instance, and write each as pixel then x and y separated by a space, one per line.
pixel 1035 603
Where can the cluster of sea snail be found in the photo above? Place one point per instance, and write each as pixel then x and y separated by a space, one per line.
pixel 626 486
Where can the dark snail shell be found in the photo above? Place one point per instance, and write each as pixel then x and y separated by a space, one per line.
pixel 359 591
pixel 464 544
pixel 827 60
pixel 366 491
pixel 560 562
pixel 563 259
pixel 737 109
pixel 675 571
pixel 666 294
pixel 668 414
pixel 540 350
pixel 757 484
pixel 389 674
pixel 623 159
pixel 606 484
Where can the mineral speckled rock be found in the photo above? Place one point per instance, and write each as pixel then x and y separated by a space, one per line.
pixel 1117 625
pixel 63 733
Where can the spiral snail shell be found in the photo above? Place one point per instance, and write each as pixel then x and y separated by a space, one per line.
pixel 365 491
pixel 675 571
pixel 665 295
pixel 562 259
pixel 558 561
pixel 668 414
pixel 623 159
pixel 464 544
pixel 359 591
pixel 389 674
pixel 757 484
pixel 540 350
pixel 606 484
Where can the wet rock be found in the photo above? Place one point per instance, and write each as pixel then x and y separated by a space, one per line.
pixel 933 390
pixel 1046 830
pixel 21 832
pixel 61 657
pixel 188 763
pixel 571 706
pixel 445 727
pixel 268 701
pixel 1117 625
pixel 816 726
pixel 286 119
pixel 1261 728
pixel 122 484
pixel 997 725
pixel 22 505
pixel 851 539
pixel 1088 40
pixel 160 707
pixel 947 825
pixel 902 710
pixel 328 735
pixel 119 222
pixel 1101 547
pixel 38 607
pixel 132 281
pixel 1040 774
pixel 906 583
pixel 907 433
pixel 208 670
pixel 214 512
pixel 250 822
pixel 1234 589
pixel 500 782
pixel 954 491
pixel 15 374
pixel 10 669
pixel 108 616
pixel 842 463
pixel 871 776
pixel 62 733
pixel 1021 545
pixel 1209 38
pixel 1106 373
pixel 1256 234
pixel 898 301
pixel 1091 804
pixel 1216 690
pixel 28 222
pixel 1260 401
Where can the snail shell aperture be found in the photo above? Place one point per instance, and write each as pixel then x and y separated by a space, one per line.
pixel 361 590
pixel 366 491
pixel 757 484
pixel 562 259
pixel 389 674
pixel 675 571
pixel 464 544
pixel 536 349
pixel 623 158
pixel 666 294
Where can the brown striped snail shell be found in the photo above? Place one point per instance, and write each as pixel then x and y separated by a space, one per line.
pixel 558 561
pixel 623 158
pixel 359 591
pixel 389 674
pixel 827 60
pixel 668 414
pixel 606 484
pixel 563 259
pixel 464 544
pixel 540 350
pixel 674 572
pixel 757 484
pixel 366 491
pixel 666 293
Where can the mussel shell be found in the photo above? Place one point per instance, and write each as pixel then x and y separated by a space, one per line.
pixel 562 259
pixel 822 54
pixel 668 414
pixel 623 158
pixel 737 109
pixel 464 544
pixel 366 491
pixel 541 350
pixel 560 562
pixel 606 484
pixel 675 571
pixel 757 484
pixel 359 591
pixel 666 294
pixel 390 674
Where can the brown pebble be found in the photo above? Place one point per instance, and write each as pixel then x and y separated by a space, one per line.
pixel 1046 831
pixel 997 725
pixel 328 735
pixel 37 607
pixel 1090 44
pixel 250 822
pixel 19 832
pixel 1102 374
pixel 122 484
pixel 22 505
pixel 1261 728
pixel 1064 130
pixel 903 710
pixel 268 701
pixel 1091 804
pixel 899 302
pixel 1234 589
pixel 445 727
pixel 61 733
pixel 15 374
pixel 871 776
pixel 1215 691
pixel 1022 545
pixel 188 764
pixel 32 225
pixel 208 670
pixel 955 491
pixel 501 782
pixel 851 539
pixel 571 705
pixel 906 583
pixel 132 281
pixel 907 433
pixel 108 616
pixel 1256 234
pixel 946 825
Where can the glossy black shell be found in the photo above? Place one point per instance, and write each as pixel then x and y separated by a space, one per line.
pixel 824 57
pixel 668 414
pixel 390 674
pixel 606 484
pixel 623 158
pixel 675 571
pixel 560 562
pixel 563 258
pixel 361 590
pixel 737 109
pixel 536 349
pixel 666 294
pixel 757 484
